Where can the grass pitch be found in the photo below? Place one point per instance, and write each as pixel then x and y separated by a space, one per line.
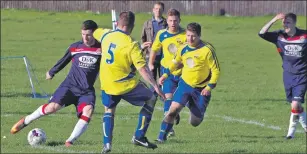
pixel 247 113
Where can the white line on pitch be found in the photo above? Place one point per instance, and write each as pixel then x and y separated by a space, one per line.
pixel 58 149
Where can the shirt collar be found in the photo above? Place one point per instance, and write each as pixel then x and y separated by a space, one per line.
pixel 153 19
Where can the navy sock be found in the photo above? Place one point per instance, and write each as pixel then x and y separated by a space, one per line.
pixel 144 121
pixel 167 105
pixel 107 127
pixel 165 129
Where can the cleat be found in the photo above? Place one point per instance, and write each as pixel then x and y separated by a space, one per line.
pixel 289 137
pixel 68 144
pixel 159 141
pixel 18 126
pixel 144 143
pixel 177 119
pixel 171 133
pixel 132 140
pixel 106 148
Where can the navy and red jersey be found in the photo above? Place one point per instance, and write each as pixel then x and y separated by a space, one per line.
pixel 84 69
pixel 293 50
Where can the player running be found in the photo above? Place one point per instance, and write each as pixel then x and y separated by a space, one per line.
pixel 121 58
pixel 168 40
pixel 200 73
pixel 77 88
pixel 291 43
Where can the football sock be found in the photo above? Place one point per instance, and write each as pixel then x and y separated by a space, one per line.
pixel 167 105
pixel 39 112
pixel 144 121
pixel 165 129
pixel 294 118
pixel 107 127
pixel 80 127
pixel 302 120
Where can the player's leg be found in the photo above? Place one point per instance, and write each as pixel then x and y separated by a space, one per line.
pixel 300 92
pixel 297 110
pixel 110 102
pixel 85 109
pixel 169 87
pixel 142 96
pixel 55 103
pixel 198 107
pixel 181 97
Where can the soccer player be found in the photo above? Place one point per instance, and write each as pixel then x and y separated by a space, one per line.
pixel 77 88
pixel 121 58
pixel 291 43
pixel 168 40
pixel 200 73
pixel 149 32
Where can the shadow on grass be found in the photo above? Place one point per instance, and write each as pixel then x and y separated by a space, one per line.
pixel 16 94
pixel 54 143
pixel 253 100
pixel 19 94
pixel 251 136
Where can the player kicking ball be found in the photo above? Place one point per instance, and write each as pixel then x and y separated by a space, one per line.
pixel 200 73
pixel 77 88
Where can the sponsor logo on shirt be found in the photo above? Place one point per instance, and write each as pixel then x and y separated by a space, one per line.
pixel 293 50
pixel 87 62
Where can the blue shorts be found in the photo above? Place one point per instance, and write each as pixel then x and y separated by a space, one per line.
pixel 136 96
pixel 295 86
pixel 171 83
pixel 197 102
pixel 66 96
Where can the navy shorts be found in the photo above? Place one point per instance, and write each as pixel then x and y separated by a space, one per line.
pixel 295 86
pixel 66 96
pixel 197 102
pixel 137 96
pixel 171 83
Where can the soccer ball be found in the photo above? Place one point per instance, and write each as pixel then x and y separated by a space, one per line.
pixel 36 137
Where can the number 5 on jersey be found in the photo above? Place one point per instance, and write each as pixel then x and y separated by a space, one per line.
pixel 110 52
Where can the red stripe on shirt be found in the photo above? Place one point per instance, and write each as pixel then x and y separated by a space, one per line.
pixel 279 49
pixel 304 36
pixel 84 49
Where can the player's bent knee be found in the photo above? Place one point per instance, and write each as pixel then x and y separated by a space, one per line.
pixel 195 121
pixel 173 112
pixel 52 108
pixel 169 95
pixel 152 101
pixel 87 110
pixel 296 105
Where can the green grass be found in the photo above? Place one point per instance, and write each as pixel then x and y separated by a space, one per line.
pixel 247 102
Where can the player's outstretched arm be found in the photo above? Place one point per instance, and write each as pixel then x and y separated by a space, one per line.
pixel 59 65
pixel 267 26
pixel 140 64
pixel 146 74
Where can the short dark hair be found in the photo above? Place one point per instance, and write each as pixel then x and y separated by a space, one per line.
pixel 161 4
pixel 89 25
pixel 291 15
pixel 194 27
pixel 126 18
pixel 173 12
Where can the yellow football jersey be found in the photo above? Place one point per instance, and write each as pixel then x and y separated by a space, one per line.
pixel 169 42
pixel 200 65
pixel 121 57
